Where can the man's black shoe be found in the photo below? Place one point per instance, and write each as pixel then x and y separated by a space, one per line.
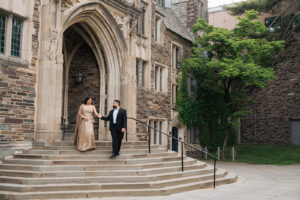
pixel 113 156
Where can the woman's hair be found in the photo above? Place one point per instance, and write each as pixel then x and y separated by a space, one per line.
pixel 86 99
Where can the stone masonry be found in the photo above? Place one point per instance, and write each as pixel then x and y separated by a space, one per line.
pixel 151 103
pixel 277 104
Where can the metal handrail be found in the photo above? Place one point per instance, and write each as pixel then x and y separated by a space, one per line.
pixel 178 140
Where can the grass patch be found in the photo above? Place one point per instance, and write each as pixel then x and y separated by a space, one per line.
pixel 265 154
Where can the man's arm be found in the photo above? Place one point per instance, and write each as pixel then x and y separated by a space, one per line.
pixel 124 125
pixel 106 118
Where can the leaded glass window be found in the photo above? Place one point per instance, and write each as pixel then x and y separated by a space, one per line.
pixel 2 32
pixel 16 37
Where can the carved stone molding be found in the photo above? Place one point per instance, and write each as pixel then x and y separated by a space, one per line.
pixel 132 26
pixel 68 3
pixel 52 46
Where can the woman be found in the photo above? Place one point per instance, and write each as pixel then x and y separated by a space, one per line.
pixel 84 131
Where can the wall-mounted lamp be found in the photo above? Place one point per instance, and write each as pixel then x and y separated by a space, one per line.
pixel 78 78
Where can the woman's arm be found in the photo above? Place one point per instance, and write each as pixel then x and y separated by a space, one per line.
pixel 82 116
pixel 95 111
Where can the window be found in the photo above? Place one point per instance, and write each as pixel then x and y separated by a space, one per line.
pixel 176 55
pixel 16 38
pixel 193 134
pixel 156 79
pixel 156 135
pixel 140 72
pixel 2 32
pixel 140 25
pixel 275 26
pixel 10 35
pixel 161 3
pixel 143 23
pixel 200 9
pixel 160 80
pixel 156 29
pixel 174 94
pixel 192 86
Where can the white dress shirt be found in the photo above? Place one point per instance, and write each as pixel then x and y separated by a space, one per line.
pixel 115 114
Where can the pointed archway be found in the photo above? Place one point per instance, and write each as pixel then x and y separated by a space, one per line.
pixel 93 22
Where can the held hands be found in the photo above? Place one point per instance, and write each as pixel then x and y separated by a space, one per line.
pixel 85 118
pixel 123 130
pixel 99 115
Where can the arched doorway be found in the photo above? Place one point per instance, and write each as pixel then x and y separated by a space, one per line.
pixel 95 31
pixel 101 34
pixel 81 76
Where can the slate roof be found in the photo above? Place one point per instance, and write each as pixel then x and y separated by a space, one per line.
pixel 173 24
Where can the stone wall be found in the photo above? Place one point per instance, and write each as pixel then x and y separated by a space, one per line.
pixel 17 95
pixel 277 104
pixel 151 103
pixel 83 62
pixel 18 90
pixel 180 8
pixel 192 11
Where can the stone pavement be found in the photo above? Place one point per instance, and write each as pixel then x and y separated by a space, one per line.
pixel 256 182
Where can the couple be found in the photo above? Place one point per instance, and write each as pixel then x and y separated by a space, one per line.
pixel 84 130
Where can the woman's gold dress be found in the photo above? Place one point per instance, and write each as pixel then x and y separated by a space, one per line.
pixel 84 135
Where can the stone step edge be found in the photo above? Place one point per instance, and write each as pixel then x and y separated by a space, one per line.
pixel 136 192
pixel 201 166
pixel 188 162
pixel 219 174
pixel 125 165
pixel 92 155
pixel 94 160
pixel 207 169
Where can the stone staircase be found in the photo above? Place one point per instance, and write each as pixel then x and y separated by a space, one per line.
pixel 60 171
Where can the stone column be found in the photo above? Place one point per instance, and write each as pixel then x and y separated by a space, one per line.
pixel 50 76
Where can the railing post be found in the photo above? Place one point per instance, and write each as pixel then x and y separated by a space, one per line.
pixel 182 156
pixel 215 160
pixel 149 139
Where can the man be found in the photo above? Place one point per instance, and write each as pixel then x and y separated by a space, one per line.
pixel 117 125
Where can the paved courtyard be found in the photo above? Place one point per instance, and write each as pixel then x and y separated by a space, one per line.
pixel 256 182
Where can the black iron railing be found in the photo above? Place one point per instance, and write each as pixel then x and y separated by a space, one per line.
pixel 178 140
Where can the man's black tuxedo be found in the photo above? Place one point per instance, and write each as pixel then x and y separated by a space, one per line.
pixel 121 119
pixel 116 128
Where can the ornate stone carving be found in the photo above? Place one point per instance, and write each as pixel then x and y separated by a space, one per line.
pixel 138 42
pixel 123 23
pixel 144 45
pixel 68 3
pixel 53 44
pixel 132 26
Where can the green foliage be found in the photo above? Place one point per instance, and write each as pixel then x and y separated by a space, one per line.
pixel 227 64
pixel 259 5
pixel 283 26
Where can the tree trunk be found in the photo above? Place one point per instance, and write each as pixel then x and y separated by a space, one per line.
pixel 225 143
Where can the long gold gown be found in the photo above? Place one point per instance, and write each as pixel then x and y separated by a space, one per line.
pixel 84 135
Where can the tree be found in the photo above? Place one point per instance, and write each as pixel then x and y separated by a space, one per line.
pixel 283 26
pixel 261 6
pixel 227 64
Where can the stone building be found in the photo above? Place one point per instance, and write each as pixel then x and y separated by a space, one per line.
pixel 54 53
pixel 276 115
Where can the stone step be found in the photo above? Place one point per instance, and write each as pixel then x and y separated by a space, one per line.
pixel 104 143
pixel 132 147
pixel 153 166
pixel 91 161
pixel 92 157
pixel 76 152
pixel 105 179
pixel 87 173
pixel 108 186
pixel 115 193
